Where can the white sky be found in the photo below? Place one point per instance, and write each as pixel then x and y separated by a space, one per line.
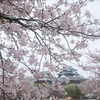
pixel 94 8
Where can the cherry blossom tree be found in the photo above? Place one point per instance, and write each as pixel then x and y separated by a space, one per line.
pixel 92 85
pixel 88 87
pixel 35 36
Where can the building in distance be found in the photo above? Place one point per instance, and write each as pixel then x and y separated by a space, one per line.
pixel 72 74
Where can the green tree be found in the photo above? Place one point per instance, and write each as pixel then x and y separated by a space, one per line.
pixel 73 91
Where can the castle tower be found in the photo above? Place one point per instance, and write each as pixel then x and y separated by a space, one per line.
pixel 72 74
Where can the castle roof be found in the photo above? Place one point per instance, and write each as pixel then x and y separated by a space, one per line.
pixel 71 73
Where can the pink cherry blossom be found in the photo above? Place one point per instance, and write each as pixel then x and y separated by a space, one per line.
pixel 88 15
pixel 45 50
pixel 26 96
pixel 38 75
pixel 67 80
pixel 60 81
pixel 75 7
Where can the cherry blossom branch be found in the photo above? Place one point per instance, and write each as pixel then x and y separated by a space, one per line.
pixel 83 34
pixel 71 50
pixel 15 41
pixel 27 66
pixel 5 94
pixel 51 88
pixel 3 74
